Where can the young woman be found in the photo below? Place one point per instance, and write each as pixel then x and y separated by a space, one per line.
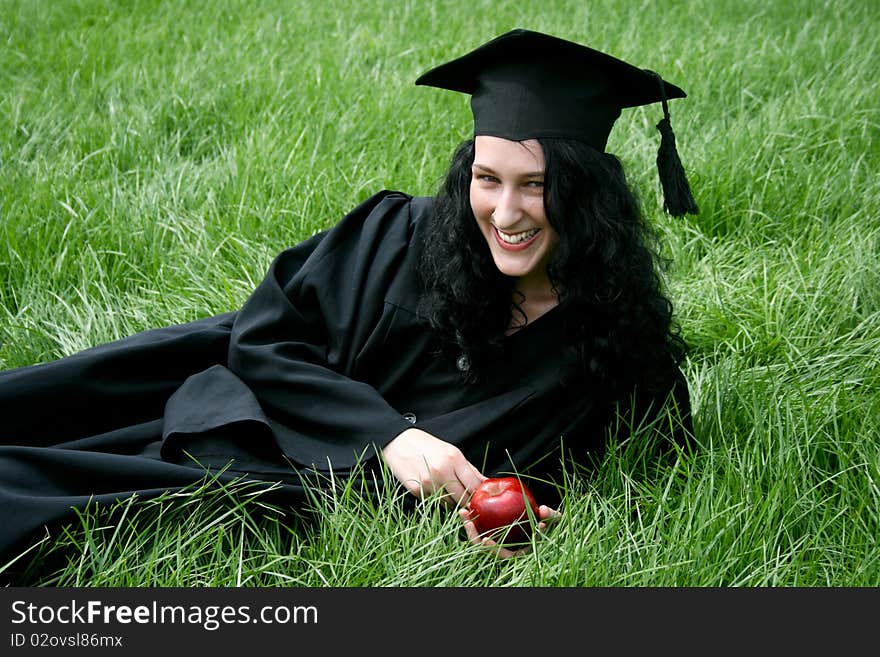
pixel 514 322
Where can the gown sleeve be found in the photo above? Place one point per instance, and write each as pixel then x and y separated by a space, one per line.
pixel 296 340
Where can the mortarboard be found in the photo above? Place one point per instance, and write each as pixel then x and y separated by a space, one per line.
pixel 529 85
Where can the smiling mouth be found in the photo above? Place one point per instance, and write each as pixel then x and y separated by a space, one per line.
pixel 516 241
pixel 516 238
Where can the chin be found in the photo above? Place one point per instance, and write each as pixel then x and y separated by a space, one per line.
pixel 513 271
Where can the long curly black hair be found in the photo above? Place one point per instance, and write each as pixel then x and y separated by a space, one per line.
pixel 618 322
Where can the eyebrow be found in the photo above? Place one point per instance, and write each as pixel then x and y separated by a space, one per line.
pixel 530 174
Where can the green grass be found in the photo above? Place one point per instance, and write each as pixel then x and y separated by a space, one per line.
pixel 155 156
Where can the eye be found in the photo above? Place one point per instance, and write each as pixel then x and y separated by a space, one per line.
pixel 535 183
pixel 487 178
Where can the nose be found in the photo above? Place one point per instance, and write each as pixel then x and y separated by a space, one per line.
pixel 508 209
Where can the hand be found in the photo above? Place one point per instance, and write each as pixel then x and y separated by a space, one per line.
pixel 546 516
pixel 424 464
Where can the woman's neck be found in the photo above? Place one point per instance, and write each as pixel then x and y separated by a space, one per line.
pixel 533 299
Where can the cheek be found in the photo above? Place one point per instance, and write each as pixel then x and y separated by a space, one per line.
pixel 479 203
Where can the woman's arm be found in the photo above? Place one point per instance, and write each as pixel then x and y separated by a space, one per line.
pixel 295 340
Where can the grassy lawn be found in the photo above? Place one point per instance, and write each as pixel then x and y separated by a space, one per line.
pixel 154 157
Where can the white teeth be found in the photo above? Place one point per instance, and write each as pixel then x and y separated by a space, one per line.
pixel 516 238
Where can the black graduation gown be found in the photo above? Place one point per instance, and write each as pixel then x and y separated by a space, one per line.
pixel 326 362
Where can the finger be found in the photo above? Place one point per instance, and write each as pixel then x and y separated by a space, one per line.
pixel 509 554
pixel 455 494
pixel 470 478
pixel 415 488
pixel 484 541
pixel 547 513
pixel 543 526
pixel 500 551
pixel 469 527
pixel 547 517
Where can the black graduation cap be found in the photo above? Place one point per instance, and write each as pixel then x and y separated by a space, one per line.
pixel 529 85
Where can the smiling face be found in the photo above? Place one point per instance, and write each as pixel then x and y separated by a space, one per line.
pixel 507 199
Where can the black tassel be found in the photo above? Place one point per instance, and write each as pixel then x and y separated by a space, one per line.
pixel 677 196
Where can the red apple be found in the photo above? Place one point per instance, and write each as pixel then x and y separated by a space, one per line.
pixel 498 508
